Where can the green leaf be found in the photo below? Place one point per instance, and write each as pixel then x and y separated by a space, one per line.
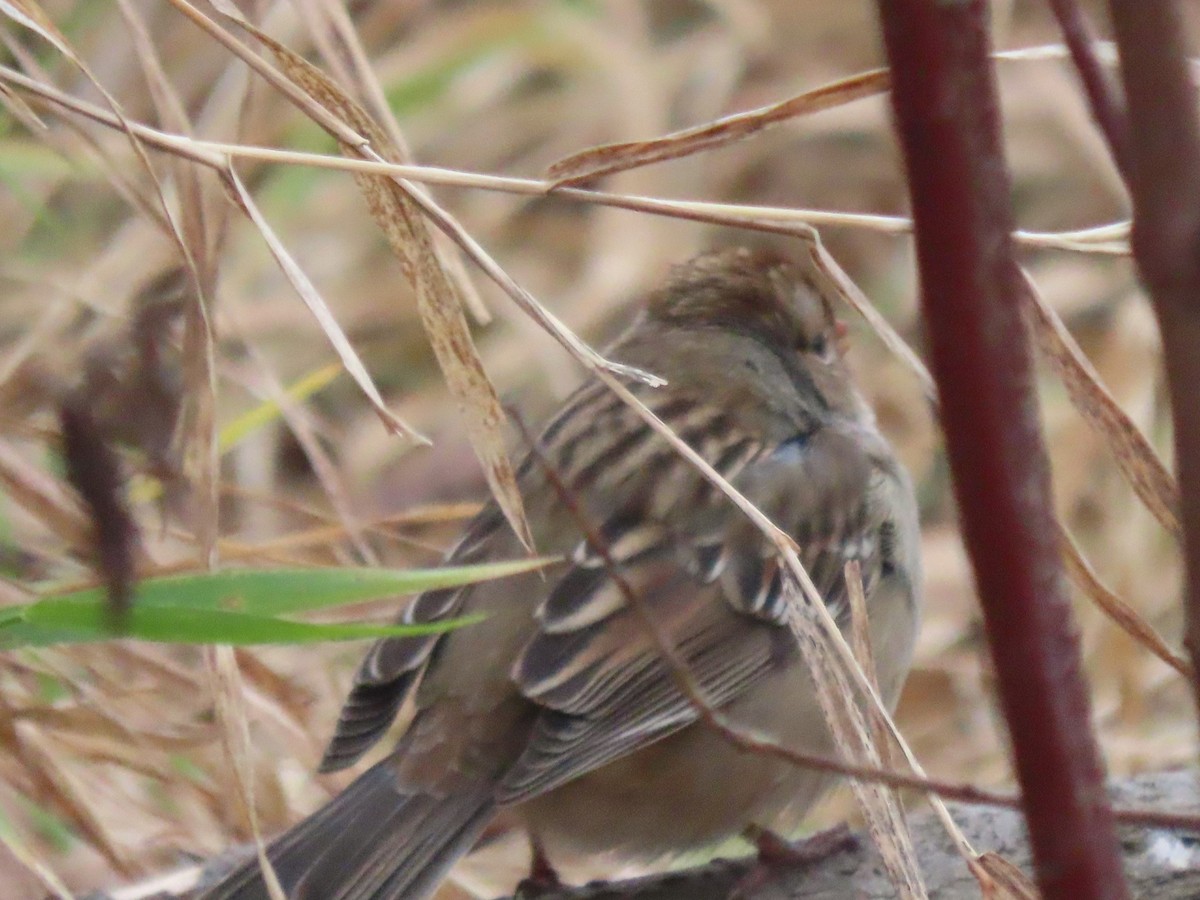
pixel 59 621
pixel 240 606
pixel 272 592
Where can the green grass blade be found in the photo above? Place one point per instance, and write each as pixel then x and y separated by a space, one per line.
pixel 74 621
pixel 238 606
pixel 274 592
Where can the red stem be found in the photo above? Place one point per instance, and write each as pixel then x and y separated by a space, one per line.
pixel 1103 101
pixel 1165 184
pixel 947 115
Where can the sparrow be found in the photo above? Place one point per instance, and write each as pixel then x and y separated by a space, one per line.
pixel 559 708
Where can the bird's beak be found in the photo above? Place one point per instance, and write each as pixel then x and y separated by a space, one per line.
pixel 841 336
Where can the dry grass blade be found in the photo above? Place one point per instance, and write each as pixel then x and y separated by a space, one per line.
pixel 214 155
pixel 21 111
pixel 1102 411
pixel 181 145
pixel 852 733
pixel 525 300
pixel 61 788
pixel 619 157
pixel 199 421
pixel 317 306
pixel 1135 457
pixel 1106 51
pixel 84 151
pixel 31 16
pixel 860 643
pixel 770 219
pixel 198 424
pixel 999 879
pixel 335 33
pixel 227 691
pixel 93 722
pixel 323 536
pixel 45 498
pixel 845 289
pixel 1125 616
pixel 1114 235
pixel 103 750
pixel 171 112
pixel 391 205
pixel 450 337
pixel 322 464
pixel 610 158
pixel 29 859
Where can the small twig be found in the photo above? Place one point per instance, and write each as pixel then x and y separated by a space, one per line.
pixel 227 688
pixel 1107 110
pixel 1165 185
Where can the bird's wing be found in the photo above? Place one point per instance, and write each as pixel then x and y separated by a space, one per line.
pixel 714 593
pixel 393 666
pixel 709 578
pixel 598 447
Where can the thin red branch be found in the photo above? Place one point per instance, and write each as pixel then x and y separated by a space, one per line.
pixel 1107 108
pixel 947 115
pixel 1165 185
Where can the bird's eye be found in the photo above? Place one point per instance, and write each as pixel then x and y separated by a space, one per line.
pixel 821 346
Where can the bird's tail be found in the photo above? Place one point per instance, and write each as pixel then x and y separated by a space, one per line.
pixel 371 842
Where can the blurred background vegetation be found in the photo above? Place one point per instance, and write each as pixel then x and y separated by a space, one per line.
pixel 111 761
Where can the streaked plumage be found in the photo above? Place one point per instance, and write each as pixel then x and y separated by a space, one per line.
pixel 559 705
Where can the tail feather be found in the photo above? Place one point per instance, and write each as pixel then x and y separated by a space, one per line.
pixel 371 842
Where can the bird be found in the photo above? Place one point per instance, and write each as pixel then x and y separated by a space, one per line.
pixel 559 708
